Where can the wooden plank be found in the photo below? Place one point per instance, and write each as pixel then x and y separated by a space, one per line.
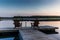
pixel 46 28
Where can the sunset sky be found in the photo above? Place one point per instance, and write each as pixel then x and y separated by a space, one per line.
pixel 29 7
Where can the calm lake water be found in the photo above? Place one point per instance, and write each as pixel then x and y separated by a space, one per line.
pixel 9 24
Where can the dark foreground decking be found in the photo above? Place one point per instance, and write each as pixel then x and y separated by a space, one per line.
pixel 31 34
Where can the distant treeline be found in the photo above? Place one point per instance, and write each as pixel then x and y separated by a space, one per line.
pixel 32 18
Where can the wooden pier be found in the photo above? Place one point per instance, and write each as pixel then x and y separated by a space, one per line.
pixel 28 33
pixel 31 34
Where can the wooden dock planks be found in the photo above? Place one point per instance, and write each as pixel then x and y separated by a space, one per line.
pixel 31 34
